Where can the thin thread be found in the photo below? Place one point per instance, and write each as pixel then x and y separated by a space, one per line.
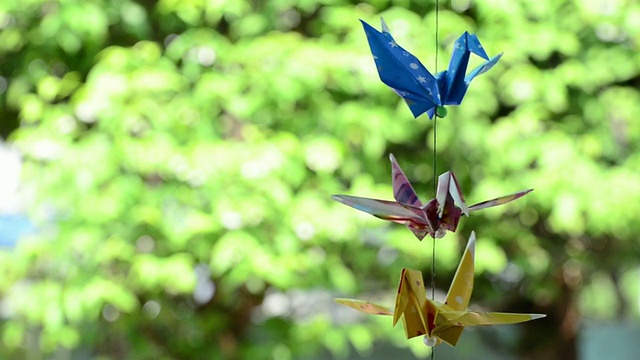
pixel 435 159
pixel 435 185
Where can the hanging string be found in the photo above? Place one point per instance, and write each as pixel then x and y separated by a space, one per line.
pixel 435 173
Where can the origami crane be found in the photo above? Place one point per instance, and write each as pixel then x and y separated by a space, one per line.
pixel 406 75
pixel 439 322
pixel 436 217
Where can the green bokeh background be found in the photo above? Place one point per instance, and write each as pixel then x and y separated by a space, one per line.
pixel 175 150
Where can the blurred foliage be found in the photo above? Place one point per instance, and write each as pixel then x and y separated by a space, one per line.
pixel 180 156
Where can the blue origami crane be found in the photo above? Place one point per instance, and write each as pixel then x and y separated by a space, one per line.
pixel 422 91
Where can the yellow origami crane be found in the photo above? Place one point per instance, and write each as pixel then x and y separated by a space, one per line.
pixel 439 322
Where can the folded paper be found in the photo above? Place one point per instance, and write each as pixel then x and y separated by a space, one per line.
pixel 439 322
pixel 422 91
pixel 436 217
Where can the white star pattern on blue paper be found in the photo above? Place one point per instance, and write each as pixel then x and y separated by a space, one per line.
pixel 407 76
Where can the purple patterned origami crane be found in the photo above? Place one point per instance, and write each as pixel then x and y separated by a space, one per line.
pixel 436 217
pixel 406 75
